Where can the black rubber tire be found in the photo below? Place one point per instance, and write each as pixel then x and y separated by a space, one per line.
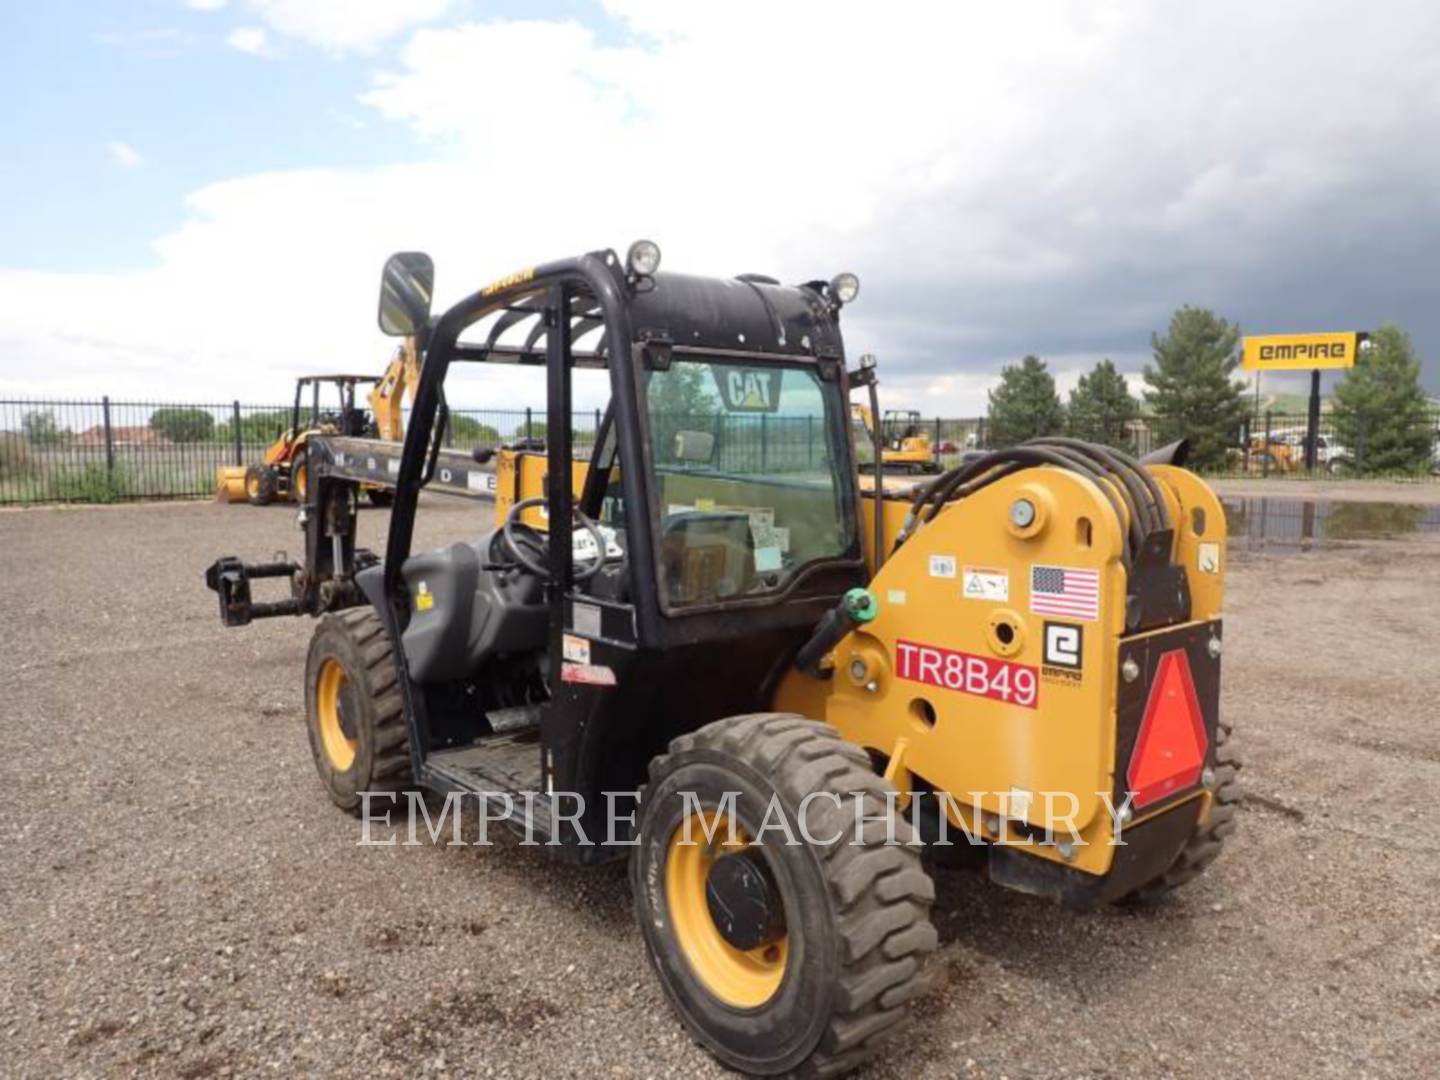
pixel 857 914
pixel 299 476
pixel 380 497
pixel 1208 840
pixel 264 485
pixel 357 640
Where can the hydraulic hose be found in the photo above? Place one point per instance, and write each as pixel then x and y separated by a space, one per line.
pixel 1127 485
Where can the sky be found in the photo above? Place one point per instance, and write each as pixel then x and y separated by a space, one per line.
pixel 200 194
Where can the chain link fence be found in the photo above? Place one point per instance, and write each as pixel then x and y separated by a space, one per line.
pixel 114 451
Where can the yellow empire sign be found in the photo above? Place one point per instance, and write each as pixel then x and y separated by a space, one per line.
pixel 1300 352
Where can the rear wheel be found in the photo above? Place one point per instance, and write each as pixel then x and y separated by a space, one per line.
pixel 260 485
pixel 353 708
pixel 779 957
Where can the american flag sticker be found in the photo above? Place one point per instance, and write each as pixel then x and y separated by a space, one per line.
pixel 1066 592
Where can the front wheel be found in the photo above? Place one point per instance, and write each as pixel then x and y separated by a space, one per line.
pixel 779 956
pixel 353 708
pixel 300 478
pixel 260 485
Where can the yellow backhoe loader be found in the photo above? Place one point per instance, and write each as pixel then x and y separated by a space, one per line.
pixel 282 470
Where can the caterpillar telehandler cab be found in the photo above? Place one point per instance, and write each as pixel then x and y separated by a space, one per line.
pixel 808 686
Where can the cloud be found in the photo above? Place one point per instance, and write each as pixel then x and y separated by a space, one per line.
pixel 356 25
pixel 1046 178
pixel 124 156
pixel 159 43
pixel 249 39
pixel 205 5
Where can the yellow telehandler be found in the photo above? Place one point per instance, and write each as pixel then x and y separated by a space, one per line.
pixel 708 650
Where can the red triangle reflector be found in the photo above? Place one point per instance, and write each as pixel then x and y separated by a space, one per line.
pixel 1171 744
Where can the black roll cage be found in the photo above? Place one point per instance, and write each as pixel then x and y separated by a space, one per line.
pixel 346 385
pixel 595 292
pixel 595 277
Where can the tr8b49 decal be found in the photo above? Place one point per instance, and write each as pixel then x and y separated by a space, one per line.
pixel 967 673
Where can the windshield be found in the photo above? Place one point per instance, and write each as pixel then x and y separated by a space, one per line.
pixel 751 470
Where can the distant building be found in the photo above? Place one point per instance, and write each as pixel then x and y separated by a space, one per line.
pixel 122 437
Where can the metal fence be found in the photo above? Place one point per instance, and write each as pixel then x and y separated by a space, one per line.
pixel 111 451
pixel 1267 444
pixel 118 451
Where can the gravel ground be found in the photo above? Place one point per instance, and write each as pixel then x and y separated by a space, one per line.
pixel 180 898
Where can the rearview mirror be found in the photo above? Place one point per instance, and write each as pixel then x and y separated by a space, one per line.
pixel 694 447
pixel 406 286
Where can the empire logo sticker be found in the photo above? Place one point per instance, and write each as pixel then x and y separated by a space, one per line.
pixel 1064 652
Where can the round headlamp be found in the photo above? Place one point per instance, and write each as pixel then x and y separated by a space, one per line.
pixel 643 258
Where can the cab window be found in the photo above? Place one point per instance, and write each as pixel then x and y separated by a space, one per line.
pixel 751 473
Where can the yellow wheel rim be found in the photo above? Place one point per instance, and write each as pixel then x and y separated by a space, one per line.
pixel 339 748
pixel 300 481
pixel 252 486
pixel 741 978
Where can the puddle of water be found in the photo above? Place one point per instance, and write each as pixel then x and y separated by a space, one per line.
pixel 1300 524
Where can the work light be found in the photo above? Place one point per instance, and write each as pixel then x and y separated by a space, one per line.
pixel 643 258
pixel 845 287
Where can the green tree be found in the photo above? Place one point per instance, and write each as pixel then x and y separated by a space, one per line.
pixel 260 427
pixel 183 425
pixel 40 428
pixel 1191 392
pixel 1381 414
pixel 682 392
pixel 467 431
pixel 536 430
pixel 1025 404
pixel 1101 407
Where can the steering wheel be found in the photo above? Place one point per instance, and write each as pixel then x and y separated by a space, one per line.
pixel 522 544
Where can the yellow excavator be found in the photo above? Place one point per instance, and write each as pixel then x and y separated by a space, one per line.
pixel 283 469
pixel 907 445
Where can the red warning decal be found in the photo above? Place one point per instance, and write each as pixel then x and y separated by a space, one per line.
pixel 1171 745
pixel 966 673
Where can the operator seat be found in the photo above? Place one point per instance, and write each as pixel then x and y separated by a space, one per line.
pixel 469 603
pixel 707 555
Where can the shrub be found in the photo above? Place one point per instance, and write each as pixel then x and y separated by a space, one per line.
pixel 92 484
pixel 14 455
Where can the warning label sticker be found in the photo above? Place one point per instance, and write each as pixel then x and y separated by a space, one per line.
pixel 589 674
pixel 942 566
pixel 981 583
pixel 967 673
pixel 575 649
